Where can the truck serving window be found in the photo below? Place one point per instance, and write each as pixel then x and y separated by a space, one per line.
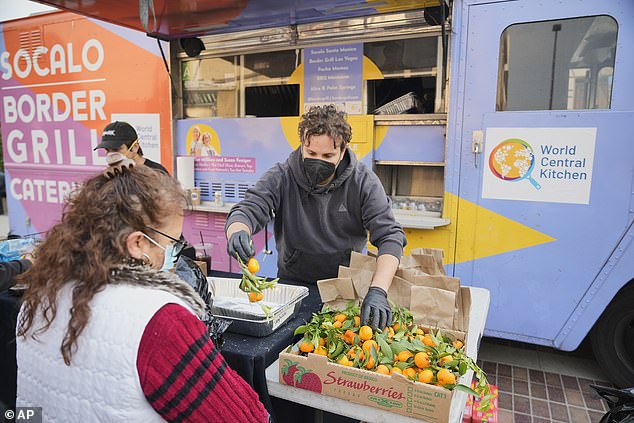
pixel 562 64
pixel 410 69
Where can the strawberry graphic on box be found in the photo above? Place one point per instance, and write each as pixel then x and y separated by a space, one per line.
pixel 288 372
pixel 306 379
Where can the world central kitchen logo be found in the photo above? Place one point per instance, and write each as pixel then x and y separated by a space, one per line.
pixel 514 160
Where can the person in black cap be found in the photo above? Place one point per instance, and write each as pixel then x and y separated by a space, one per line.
pixel 122 142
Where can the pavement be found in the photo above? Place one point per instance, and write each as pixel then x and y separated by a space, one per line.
pixel 539 385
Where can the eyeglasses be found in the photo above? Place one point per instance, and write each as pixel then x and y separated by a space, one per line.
pixel 179 245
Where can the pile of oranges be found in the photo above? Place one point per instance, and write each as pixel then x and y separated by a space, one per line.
pixel 419 354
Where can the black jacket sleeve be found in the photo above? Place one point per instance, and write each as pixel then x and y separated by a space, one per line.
pixel 9 270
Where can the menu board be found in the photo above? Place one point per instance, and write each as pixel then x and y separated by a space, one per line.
pixel 334 75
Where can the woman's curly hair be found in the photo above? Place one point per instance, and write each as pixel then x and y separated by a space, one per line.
pixel 327 120
pixel 90 240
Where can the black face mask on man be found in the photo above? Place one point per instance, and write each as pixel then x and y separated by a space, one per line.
pixel 318 170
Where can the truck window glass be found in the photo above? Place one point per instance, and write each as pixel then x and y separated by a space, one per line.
pixel 210 87
pixel 236 86
pixel 266 89
pixel 409 69
pixel 562 64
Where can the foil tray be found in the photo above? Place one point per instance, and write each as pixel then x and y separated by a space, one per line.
pixel 248 318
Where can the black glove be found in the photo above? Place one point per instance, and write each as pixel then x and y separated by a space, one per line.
pixel 240 245
pixel 375 310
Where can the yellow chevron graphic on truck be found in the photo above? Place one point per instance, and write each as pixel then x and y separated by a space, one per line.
pixel 477 231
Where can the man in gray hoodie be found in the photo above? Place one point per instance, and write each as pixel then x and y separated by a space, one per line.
pixel 324 203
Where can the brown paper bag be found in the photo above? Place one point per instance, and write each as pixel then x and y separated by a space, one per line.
pixel 433 306
pixel 429 264
pixel 361 261
pixel 408 262
pixel 361 280
pixel 344 272
pixel 410 273
pixel 426 260
pixel 336 288
pixel 465 295
pixel 435 300
pixel 362 268
pixel 447 283
pixel 400 292
pixel 437 253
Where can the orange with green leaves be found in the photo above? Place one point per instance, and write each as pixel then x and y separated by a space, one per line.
pixel 253 285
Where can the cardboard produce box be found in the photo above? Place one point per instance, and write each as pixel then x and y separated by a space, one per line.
pixel 436 302
pixel 394 393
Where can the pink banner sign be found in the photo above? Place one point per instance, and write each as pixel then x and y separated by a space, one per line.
pixel 225 164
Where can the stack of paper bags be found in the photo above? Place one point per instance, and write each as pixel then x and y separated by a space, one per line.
pixel 420 284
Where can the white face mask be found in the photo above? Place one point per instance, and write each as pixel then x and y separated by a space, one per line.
pixel 115 158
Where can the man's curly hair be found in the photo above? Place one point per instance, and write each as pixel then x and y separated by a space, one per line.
pixel 327 120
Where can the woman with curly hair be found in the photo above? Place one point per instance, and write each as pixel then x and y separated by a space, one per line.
pixel 325 202
pixel 106 332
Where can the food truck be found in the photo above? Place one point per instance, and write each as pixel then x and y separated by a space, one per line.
pixel 500 130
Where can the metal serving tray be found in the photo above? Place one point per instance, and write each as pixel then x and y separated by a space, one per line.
pixel 248 318
pixel 403 104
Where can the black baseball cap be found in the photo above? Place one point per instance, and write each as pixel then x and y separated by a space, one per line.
pixel 116 134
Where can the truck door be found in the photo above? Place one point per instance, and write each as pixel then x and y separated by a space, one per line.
pixel 546 162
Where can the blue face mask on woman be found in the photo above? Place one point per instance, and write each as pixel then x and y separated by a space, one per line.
pixel 171 252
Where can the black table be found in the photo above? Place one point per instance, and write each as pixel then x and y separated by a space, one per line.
pixel 249 356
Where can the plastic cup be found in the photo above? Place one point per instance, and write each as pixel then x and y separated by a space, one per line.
pixel 202 254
